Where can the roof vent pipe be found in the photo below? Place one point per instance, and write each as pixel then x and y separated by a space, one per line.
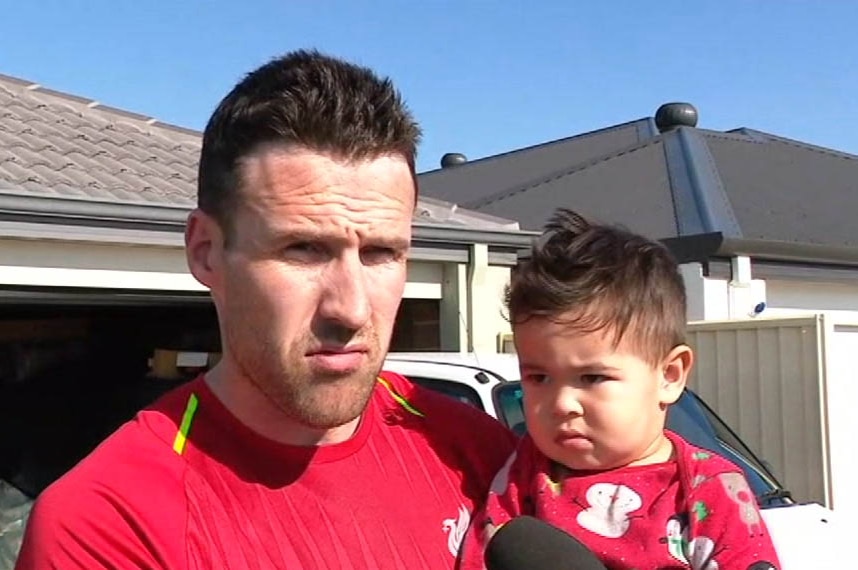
pixel 672 115
pixel 453 159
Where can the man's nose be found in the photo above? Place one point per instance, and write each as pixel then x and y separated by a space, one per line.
pixel 344 300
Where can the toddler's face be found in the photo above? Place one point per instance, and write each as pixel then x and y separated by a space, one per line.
pixel 590 405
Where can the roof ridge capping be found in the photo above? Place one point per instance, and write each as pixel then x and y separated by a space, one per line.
pixel 769 137
pixel 93 104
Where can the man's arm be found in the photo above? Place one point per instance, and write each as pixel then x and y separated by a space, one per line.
pixel 503 503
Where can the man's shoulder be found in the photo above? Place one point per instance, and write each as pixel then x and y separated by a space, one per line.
pixel 134 461
pixel 438 408
pixel 466 439
pixel 457 425
pixel 126 497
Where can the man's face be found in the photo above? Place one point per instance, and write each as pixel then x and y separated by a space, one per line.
pixel 312 278
pixel 588 404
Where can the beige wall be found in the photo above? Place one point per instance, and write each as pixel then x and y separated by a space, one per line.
pixel 81 264
pixel 719 299
pixel 472 315
pixel 471 295
pixel 494 312
pixel 791 297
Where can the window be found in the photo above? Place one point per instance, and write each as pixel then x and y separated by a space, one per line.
pixel 418 326
pixel 510 409
pixel 455 390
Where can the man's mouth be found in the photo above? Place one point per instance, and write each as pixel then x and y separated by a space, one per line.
pixel 338 359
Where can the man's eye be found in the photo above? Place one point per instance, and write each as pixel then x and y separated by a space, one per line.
pixel 302 250
pixel 374 255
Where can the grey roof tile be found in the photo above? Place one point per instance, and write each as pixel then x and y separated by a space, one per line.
pixel 71 189
pixel 11 170
pixel 60 142
pixel 36 186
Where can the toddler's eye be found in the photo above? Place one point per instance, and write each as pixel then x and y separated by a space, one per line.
pixel 536 378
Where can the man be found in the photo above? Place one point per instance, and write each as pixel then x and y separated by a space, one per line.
pixel 293 452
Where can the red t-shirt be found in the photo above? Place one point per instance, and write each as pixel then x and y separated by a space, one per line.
pixel 185 485
pixel 696 511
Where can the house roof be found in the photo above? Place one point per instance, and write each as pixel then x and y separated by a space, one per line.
pixel 63 157
pixel 470 182
pixel 58 145
pixel 750 192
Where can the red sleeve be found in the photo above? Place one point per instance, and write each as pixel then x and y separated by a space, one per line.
pixel 86 532
pixel 505 500
pixel 123 507
pixel 727 527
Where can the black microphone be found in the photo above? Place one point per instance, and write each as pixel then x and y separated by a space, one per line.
pixel 526 542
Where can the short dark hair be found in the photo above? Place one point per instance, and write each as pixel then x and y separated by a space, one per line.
pixel 602 277
pixel 309 100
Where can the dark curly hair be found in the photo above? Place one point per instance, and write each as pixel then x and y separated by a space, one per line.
pixel 600 277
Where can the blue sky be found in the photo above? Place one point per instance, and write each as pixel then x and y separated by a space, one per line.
pixel 482 77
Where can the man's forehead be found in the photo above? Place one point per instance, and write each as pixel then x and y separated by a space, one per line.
pixel 301 172
pixel 299 156
pixel 333 226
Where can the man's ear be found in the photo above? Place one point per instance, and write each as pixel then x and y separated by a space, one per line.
pixel 674 373
pixel 204 248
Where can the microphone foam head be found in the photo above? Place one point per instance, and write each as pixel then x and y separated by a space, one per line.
pixel 527 542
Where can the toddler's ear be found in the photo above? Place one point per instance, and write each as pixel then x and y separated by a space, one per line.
pixel 674 373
